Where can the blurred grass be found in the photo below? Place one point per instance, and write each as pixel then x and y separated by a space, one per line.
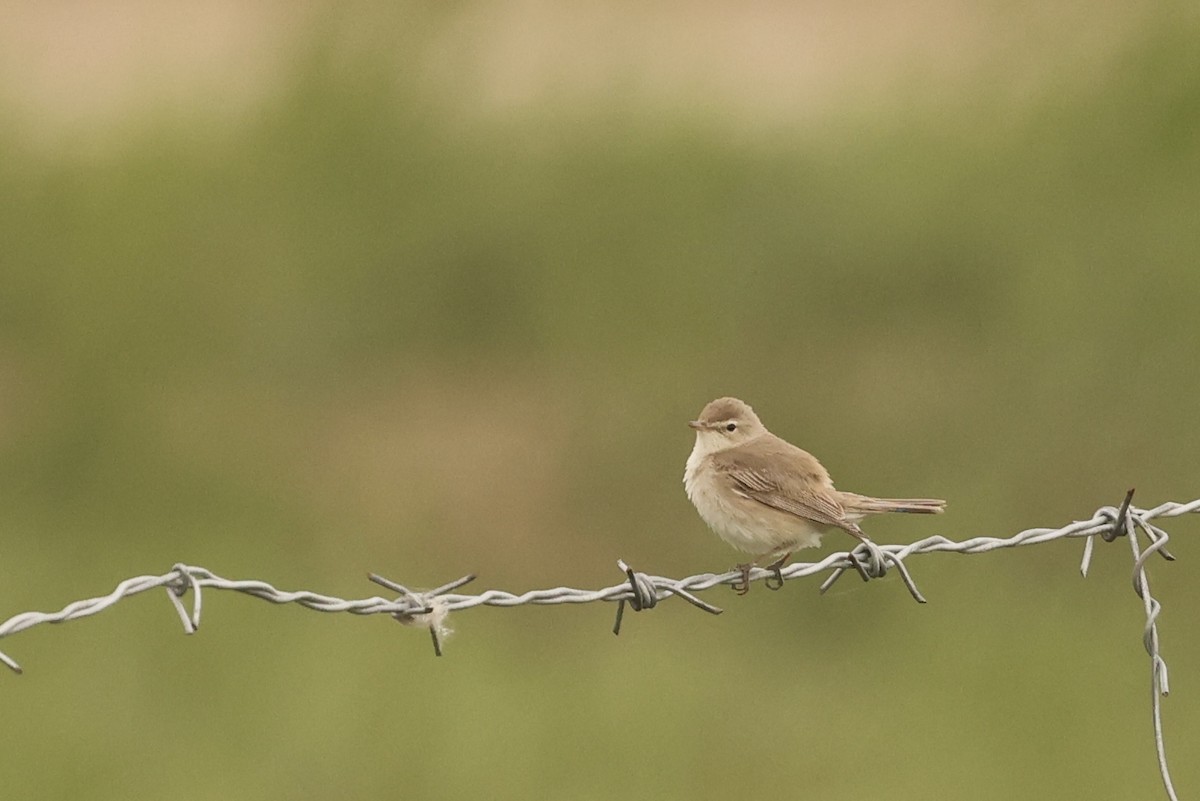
pixel 363 329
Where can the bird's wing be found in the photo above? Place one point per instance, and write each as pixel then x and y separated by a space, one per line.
pixel 786 478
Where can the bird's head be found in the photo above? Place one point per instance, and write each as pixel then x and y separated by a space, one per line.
pixel 726 423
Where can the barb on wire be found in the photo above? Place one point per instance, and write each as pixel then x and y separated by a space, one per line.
pixel 645 594
pixel 426 608
pixel 429 609
pixel 1124 523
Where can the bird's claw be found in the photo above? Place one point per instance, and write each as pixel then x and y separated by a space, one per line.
pixel 774 581
pixel 742 585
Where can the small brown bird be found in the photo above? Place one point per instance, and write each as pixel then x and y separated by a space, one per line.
pixel 767 497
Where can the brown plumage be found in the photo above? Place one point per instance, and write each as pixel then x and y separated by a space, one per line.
pixel 764 495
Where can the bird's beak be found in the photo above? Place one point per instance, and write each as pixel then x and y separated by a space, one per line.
pixel 696 424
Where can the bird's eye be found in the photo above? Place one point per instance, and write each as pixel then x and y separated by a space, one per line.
pixel 731 427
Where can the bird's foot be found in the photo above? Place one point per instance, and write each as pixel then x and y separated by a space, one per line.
pixel 742 585
pixel 776 582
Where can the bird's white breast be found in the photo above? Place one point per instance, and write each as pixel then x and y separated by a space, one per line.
pixel 741 521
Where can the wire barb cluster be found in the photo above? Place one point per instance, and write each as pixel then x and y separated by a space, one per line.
pixel 641 591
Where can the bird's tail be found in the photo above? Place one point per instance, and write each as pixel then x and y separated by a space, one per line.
pixel 867 505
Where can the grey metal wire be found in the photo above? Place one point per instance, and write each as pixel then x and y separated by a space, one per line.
pixel 429 608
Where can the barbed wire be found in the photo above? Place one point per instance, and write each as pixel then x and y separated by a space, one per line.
pixel 429 608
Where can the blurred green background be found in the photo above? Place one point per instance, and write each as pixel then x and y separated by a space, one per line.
pixel 295 293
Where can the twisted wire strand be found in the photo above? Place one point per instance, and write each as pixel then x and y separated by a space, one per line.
pixel 644 591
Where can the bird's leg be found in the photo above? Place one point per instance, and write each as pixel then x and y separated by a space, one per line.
pixel 777 582
pixel 742 585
